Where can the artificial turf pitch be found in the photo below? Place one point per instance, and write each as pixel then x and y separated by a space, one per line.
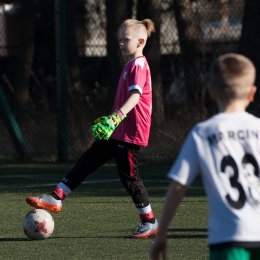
pixel 98 217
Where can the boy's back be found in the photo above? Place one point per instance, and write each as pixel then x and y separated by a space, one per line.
pixel 225 149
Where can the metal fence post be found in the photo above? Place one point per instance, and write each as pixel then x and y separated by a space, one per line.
pixel 61 79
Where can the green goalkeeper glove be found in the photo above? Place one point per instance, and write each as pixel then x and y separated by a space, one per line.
pixel 105 125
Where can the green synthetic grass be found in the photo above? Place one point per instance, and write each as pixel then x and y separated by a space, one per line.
pixel 97 217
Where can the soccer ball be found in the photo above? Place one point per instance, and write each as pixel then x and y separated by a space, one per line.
pixel 38 224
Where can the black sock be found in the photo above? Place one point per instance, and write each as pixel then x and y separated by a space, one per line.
pixel 55 196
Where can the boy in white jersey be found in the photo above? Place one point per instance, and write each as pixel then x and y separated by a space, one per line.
pixel 225 150
pixel 121 134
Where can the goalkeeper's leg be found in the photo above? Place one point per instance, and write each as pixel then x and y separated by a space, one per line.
pixel 126 156
pixel 97 155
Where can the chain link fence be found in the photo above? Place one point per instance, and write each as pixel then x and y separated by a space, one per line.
pixel 57 71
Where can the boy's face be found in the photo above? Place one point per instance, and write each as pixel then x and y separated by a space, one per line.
pixel 130 46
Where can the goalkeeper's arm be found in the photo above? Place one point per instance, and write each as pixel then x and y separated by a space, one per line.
pixel 131 102
pixel 105 125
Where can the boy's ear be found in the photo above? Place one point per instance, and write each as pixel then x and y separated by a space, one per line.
pixel 141 41
pixel 251 94
pixel 212 93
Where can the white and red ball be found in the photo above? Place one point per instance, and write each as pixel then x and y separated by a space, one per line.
pixel 38 224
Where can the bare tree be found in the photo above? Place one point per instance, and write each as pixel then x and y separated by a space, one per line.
pixel 75 87
pixel 116 12
pixel 224 16
pixel 25 60
pixel 152 10
pixel 190 37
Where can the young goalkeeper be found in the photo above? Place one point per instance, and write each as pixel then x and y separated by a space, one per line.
pixel 225 150
pixel 121 134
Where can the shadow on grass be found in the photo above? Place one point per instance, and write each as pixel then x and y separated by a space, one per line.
pixel 188 230
pixel 175 233
pixel 101 237
pixel 188 233
pixel 9 239
pixel 6 239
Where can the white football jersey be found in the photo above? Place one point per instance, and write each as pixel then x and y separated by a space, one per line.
pixel 225 150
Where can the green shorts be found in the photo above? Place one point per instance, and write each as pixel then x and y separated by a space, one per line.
pixel 235 253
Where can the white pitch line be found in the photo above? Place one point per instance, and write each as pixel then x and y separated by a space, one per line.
pixel 84 182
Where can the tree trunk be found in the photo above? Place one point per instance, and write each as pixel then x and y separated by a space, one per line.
pixel 152 10
pixel 190 36
pixel 116 12
pixel 79 107
pixel 75 87
pixel 250 42
pixel 22 75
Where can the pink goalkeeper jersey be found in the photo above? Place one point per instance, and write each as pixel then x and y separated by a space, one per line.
pixel 135 128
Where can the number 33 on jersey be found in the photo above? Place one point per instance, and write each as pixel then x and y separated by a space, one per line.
pixel 225 151
pixel 248 174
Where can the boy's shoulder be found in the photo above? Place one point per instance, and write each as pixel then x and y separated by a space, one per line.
pixel 139 61
pixel 235 119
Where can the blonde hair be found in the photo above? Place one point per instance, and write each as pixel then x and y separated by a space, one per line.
pixel 142 28
pixel 231 76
